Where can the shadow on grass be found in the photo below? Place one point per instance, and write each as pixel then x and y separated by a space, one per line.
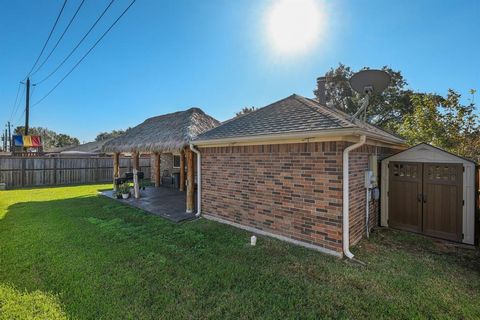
pixel 100 259
pixel 67 254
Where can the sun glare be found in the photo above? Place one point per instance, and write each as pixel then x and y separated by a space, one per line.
pixel 295 26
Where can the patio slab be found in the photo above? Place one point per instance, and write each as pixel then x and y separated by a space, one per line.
pixel 164 202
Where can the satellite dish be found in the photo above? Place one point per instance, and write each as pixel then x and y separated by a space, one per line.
pixel 368 82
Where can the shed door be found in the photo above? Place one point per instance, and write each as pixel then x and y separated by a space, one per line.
pixel 405 203
pixel 443 200
pixel 426 198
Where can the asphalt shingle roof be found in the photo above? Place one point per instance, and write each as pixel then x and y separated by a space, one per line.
pixel 290 115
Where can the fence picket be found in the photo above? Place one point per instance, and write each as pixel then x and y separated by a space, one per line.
pixel 23 172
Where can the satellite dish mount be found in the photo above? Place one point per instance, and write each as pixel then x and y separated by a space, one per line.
pixel 368 82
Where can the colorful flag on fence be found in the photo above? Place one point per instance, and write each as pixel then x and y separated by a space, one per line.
pixel 36 141
pixel 27 141
pixel 18 141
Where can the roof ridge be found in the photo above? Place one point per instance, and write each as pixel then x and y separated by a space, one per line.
pixel 252 112
pixel 191 123
pixel 355 122
pixel 187 111
pixel 317 106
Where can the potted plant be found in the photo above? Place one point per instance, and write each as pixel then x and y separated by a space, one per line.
pixel 124 190
pixel 118 194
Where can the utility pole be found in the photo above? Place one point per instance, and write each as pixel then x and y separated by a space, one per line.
pixel 27 106
pixel 5 141
pixel 9 136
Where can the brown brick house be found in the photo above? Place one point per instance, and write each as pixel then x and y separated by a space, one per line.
pixel 278 171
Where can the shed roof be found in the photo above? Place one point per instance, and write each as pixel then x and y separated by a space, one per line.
pixel 424 152
pixel 169 132
pixel 89 147
pixel 294 114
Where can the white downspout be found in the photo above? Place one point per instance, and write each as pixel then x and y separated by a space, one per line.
pixel 367 212
pixel 346 200
pixel 199 180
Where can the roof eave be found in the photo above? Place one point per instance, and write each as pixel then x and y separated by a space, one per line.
pixel 304 136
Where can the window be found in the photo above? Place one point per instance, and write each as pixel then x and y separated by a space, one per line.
pixel 176 161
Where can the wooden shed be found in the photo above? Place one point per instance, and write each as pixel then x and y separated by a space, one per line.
pixel 429 191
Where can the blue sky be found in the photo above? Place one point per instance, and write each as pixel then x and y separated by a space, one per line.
pixel 165 56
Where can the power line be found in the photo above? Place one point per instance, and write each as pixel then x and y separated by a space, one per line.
pixel 61 37
pixel 19 101
pixel 15 103
pixel 19 120
pixel 79 43
pixel 33 90
pixel 85 55
pixel 49 36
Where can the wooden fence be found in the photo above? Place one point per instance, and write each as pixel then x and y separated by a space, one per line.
pixel 477 205
pixel 44 171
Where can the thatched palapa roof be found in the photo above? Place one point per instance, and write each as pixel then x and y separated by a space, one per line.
pixel 165 133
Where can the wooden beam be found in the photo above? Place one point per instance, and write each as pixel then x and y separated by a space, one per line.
pixel 190 182
pixel 182 170
pixel 157 168
pixel 116 168
pixel 136 167
pixel 136 161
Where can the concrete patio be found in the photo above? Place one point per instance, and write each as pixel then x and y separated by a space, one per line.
pixel 164 202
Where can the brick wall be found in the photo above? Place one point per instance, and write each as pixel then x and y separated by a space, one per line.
pixel 358 165
pixel 294 190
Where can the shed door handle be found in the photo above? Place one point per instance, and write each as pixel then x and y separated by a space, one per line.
pixel 419 197
pixel 424 198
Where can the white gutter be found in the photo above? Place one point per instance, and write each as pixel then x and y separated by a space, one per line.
pixel 199 180
pixel 346 200
pixel 301 135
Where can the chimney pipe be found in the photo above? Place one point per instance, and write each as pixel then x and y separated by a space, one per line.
pixel 321 96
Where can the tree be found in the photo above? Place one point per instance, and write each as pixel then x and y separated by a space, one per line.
pixel 245 110
pixel 424 124
pixel 385 110
pixel 63 140
pixel 108 135
pixel 443 122
pixel 50 139
pixel 418 117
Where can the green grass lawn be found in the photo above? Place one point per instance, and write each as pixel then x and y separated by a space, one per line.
pixel 67 253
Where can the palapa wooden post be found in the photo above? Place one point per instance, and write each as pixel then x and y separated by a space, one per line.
pixel 157 168
pixel 182 170
pixel 116 168
pixel 190 182
pixel 136 166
